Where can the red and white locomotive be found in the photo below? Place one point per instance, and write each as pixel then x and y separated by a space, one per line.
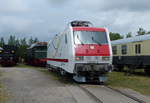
pixel 81 50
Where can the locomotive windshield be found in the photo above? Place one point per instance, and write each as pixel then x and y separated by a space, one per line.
pixel 90 37
pixel 41 48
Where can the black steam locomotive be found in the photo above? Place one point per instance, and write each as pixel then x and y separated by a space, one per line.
pixel 8 56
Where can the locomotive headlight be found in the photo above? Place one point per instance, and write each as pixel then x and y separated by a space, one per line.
pixel 0 51
pixel 105 58
pixel 13 51
pixel 79 58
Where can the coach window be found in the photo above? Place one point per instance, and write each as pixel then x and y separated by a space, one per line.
pixel 138 48
pixel 114 48
pixel 124 49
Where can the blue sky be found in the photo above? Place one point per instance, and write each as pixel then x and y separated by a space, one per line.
pixel 45 18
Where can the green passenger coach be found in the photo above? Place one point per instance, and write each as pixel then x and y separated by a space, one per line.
pixel 132 52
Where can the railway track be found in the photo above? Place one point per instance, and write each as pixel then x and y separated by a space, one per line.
pixel 100 100
pixel 95 98
pixel 127 95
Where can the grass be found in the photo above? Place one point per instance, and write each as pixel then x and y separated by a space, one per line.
pixel 25 66
pixel 135 82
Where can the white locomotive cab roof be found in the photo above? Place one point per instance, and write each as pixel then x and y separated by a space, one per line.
pixel 131 39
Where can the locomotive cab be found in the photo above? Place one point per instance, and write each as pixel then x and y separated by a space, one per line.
pixel 92 53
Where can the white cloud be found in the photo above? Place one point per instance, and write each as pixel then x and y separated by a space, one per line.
pixel 18 24
pixel 44 18
pixel 13 6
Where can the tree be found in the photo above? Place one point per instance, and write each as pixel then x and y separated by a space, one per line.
pixel 17 43
pixel 35 40
pixel 23 48
pixel 11 40
pixel 23 42
pixel 2 42
pixel 148 32
pixel 115 36
pixel 141 31
pixel 31 41
pixel 128 35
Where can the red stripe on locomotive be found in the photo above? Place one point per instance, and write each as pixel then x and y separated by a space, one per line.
pixel 89 29
pixel 58 60
pixel 92 50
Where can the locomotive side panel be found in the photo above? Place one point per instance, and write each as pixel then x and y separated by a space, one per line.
pixel 60 52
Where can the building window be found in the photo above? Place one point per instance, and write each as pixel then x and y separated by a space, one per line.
pixel 114 49
pixel 138 48
pixel 124 49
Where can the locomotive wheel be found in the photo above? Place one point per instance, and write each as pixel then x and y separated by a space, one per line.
pixel 62 72
pixel 147 70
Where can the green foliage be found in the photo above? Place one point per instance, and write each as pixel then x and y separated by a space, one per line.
pixel 35 40
pixel 128 35
pixel 148 32
pixel 22 44
pixel 31 41
pixel 115 36
pixel 137 83
pixel 141 31
pixel 11 40
pixel 2 42
pixel 17 43
pixel 22 48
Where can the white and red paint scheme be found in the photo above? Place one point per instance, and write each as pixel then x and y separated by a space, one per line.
pixel 83 51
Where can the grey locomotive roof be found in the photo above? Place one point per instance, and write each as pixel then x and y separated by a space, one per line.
pixel 38 44
pixel 132 39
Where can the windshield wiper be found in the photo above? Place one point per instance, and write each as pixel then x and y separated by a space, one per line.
pixel 80 40
pixel 96 41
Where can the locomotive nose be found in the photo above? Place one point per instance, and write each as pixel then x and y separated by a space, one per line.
pixel 92 50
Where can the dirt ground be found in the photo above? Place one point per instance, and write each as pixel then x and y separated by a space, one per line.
pixel 26 85
pixel 31 86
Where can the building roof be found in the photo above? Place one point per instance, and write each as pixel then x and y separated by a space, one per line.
pixel 132 39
